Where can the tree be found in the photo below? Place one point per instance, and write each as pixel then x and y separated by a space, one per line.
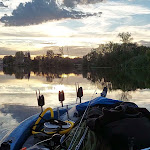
pixel 50 54
pixel 19 58
pixel 125 37
pixel 61 49
pixel 8 60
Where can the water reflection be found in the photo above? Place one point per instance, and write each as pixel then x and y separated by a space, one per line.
pixel 125 96
pixel 20 72
pixel 126 80
pixel 18 98
pixel 15 109
pixel 18 86
pixel 127 85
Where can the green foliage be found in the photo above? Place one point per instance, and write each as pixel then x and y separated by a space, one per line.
pixel 19 54
pixel 118 55
pixel 8 60
pixel 50 54
pixel 52 61
pixel 22 59
pixel 125 37
pixel 45 63
pixel 18 60
pixel 148 54
pixel 140 61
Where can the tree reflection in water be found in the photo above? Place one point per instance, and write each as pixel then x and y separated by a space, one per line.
pixel 124 80
pixel 125 96
pixel 50 75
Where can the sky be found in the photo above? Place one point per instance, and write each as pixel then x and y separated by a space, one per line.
pixel 76 25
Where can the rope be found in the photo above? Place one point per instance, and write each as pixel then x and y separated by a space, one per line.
pixel 38 143
pixel 81 140
pixel 72 143
pixel 75 137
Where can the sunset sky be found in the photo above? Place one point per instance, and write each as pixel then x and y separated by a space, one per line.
pixel 77 25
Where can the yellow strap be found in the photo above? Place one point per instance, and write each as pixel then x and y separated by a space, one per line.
pixel 39 119
pixel 52 116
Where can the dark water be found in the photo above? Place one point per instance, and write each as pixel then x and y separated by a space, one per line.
pixel 18 98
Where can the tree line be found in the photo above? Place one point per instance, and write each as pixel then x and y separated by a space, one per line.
pixel 50 61
pixel 124 55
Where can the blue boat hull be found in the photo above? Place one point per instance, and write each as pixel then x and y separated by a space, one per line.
pixel 20 134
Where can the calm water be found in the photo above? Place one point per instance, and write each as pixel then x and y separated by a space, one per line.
pixel 18 99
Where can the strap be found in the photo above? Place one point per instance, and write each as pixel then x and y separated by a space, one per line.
pixel 57 122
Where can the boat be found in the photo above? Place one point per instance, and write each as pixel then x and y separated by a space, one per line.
pixel 101 123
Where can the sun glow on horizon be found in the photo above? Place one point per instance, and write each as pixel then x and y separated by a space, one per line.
pixel 86 32
pixel 72 57
pixel 68 75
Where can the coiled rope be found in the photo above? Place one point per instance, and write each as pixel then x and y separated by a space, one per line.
pixel 74 139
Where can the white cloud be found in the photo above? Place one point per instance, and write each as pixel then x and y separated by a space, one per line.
pixel 138 32
pixel 12 4
pixel 116 17
pixel 39 11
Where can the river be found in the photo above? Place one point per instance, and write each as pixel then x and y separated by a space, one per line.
pixel 18 94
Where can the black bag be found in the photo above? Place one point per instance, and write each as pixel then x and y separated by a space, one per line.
pixel 122 127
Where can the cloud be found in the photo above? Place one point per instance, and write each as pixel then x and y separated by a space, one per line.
pixel 6 51
pixel 22 34
pixel 78 51
pixel 23 111
pixel 39 11
pixel 2 5
pixel 73 3
pixel 145 43
pixel 49 43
